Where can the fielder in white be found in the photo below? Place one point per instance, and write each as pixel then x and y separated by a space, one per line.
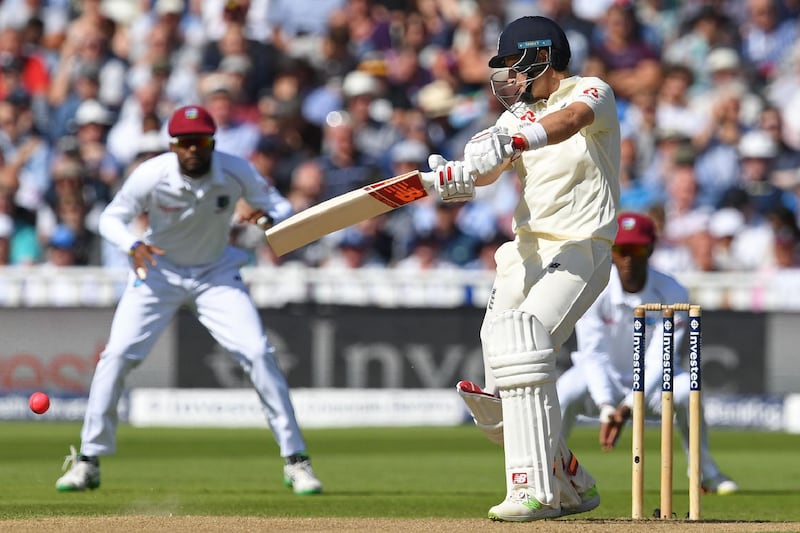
pixel 189 195
pixel 602 370
pixel 561 135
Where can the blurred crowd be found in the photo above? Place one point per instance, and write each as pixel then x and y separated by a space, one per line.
pixel 324 96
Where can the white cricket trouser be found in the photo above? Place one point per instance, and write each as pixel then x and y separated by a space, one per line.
pixel 573 393
pixel 217 295
pixel 528 279
pixel 556 282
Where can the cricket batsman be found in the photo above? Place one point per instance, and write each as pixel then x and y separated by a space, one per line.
pixel 560 134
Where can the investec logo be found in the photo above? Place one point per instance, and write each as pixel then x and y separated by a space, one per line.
pixel 666 356
pixel 694 354
pixel 638 363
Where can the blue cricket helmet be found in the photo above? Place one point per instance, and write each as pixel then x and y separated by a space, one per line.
pixel 528 35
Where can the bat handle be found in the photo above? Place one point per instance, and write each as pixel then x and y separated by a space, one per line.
pixel 518 145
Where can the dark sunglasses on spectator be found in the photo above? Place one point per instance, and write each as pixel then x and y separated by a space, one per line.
pixel 632 250
pixel 200 141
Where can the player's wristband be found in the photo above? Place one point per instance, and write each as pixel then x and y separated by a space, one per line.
pixel 133 247
pixel 607 414
pixel 535 135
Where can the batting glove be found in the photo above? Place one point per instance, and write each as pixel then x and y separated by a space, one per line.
pixel 488 150
pixel 453 182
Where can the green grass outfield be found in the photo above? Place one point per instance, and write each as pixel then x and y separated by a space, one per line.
pixel 419 472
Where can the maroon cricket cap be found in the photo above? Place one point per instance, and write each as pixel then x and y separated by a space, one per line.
pixel 191 120
pixel 635 228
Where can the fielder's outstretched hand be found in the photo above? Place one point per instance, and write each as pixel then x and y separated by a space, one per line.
pixel 611 427
pixel 452 180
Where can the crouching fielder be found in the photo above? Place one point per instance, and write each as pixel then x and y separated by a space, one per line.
pixel 560 134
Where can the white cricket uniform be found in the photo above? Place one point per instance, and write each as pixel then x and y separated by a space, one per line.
pixel 565 221
pixel 557 264
pixel 190 219
pixel 602 368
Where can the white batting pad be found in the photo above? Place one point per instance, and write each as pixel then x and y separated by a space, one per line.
pixel 530 421
pixel 521 356
pixel 519 350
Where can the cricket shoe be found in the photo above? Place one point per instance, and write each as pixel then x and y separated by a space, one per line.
pixel 590 499
pixel 721 485
pixel 299 476
pixel 521 506
pixel 83 474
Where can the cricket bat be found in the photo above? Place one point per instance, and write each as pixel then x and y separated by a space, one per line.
pixel 347 209
pixel 350 208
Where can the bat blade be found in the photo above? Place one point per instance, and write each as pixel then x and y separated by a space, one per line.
pixel 347 209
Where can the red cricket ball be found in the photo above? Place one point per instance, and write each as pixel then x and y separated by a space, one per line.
pixel 39 402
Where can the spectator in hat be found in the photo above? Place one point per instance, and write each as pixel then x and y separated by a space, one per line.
pixel 717 163
pixel 724 226
pixel 75 198
pixel 102 169
pixel 370 114
pixel 407 156
pixel 757 154
pixel 61 247
pixel 436 100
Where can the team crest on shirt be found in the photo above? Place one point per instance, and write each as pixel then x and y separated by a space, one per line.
pixel 223 202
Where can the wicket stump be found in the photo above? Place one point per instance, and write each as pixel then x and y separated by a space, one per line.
pixel 667 407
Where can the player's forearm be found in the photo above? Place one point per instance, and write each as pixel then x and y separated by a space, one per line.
pixel 113 227
pixel 565 123
pixel 490 178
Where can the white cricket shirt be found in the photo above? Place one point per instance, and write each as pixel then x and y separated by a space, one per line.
pixel 190 219
pixel 605 335
pixel 570 190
